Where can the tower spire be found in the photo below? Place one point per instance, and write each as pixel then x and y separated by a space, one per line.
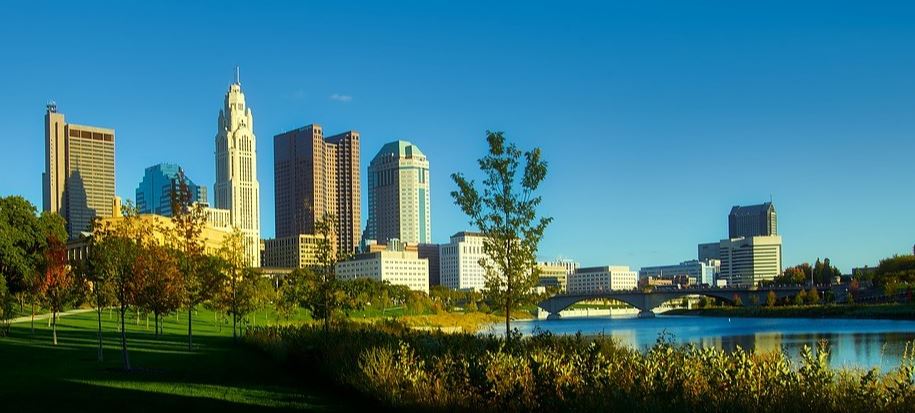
pixel 237 76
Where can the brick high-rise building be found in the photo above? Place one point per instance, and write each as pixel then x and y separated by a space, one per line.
pixel 317 176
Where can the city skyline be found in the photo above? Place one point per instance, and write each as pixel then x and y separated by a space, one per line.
pixel 833 159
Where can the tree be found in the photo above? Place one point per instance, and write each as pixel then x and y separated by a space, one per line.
pixel 160 288
pixel 800 297
pixel 505 212
pixel 824 272
pixel 19 234
pixel 737 301
pixel 93 274
pixel 324 294
pixel 116 250
pixel 796 275
pixel 6 307
pixel 238 292
pixel 813 297
pixel 293 291
pixel 771 298
pixel 189 221
pixel 56 286
pixel 23 242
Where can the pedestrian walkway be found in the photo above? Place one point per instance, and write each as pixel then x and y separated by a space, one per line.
pixel 48 315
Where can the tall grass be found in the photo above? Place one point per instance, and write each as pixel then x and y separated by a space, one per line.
pixel 434 371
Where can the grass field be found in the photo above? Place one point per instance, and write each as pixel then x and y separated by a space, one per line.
pixel 217 375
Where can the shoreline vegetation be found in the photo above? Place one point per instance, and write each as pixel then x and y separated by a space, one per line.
pixel 407 369
pixel 850 311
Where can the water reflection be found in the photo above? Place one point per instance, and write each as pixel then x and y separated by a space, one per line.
pixel 853 343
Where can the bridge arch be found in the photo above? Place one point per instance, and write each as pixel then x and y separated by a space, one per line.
pixel 647 301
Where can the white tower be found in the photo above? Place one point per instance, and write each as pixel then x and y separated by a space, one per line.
pixel 236 186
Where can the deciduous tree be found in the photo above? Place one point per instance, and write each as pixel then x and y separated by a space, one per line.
pixel 505 212
pixel 160 288
pixel 57 287
pixel 189 219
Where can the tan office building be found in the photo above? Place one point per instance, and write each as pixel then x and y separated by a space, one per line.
pixel 78 182
pixel 297 251
pixel 315 176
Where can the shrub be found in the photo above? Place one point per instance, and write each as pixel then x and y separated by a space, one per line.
pixel 420 370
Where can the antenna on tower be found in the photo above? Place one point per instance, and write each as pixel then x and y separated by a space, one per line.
pixel 237 76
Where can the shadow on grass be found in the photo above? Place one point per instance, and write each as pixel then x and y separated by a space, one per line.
pixel 218 375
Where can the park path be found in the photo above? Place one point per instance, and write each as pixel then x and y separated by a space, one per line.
pixel 48 315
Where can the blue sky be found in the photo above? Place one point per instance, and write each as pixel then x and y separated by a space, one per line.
pixel 656 117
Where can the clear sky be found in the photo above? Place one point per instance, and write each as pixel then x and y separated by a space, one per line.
pixel 655 117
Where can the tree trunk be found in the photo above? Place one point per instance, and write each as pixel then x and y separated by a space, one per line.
pixel 147 322
pixel 101 355
pixel 54 328
pixel 234 334
pixel 33 317
pixel 155 323
pixel 126 358
pixel 190 335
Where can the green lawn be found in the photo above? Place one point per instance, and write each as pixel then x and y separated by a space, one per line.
pixel 217 375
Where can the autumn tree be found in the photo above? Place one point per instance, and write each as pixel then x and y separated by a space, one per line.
pixel 813 296
pixel 160 288
pixel 800 297
pixel 771 299
pixel 189 219
pixel 119 244
pixel 56 285
pixel 505 212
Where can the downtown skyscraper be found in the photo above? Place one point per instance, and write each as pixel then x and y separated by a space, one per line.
pixel 236 188
pixel 317 177
pixel 78 182
pixel 398 191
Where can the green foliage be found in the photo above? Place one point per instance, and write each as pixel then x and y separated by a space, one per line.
pixel 800 298
pixel 6 307
pixel 505 212
pixel 896 269
pixel 813 296
pixel 407 369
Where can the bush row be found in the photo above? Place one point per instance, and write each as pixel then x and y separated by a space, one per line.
pixel 416 370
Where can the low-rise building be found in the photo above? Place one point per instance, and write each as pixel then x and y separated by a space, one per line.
pixel 398 267
pixel 700 272
pixel 602 279
pixel 431 252
pixel 298 251
pixel 551 275
pixel 748 261
pixel 460 262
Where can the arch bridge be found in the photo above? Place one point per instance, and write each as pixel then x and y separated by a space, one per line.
pixel 645 302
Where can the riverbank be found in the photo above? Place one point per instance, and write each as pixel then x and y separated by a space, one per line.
pixel 860 311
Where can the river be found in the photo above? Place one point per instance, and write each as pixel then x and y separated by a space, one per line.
pixel 853 343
